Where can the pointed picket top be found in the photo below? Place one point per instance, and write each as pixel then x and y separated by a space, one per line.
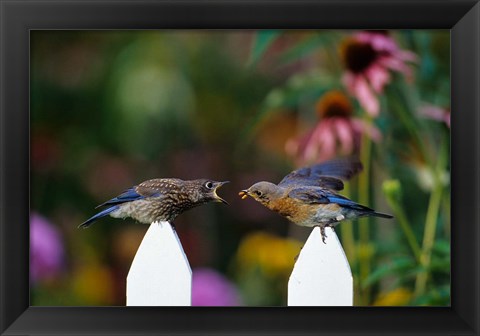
pixel 160 274
pixel 321 275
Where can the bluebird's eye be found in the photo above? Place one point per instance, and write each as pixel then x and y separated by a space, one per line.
pixel 258 192
pixel 209 185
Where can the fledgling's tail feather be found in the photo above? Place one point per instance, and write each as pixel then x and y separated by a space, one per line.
pixel 379 214
pixel 101 214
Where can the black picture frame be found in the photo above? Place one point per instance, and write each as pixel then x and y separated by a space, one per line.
pixel 18 17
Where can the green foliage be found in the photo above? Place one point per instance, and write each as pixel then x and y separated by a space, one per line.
pixel 263 40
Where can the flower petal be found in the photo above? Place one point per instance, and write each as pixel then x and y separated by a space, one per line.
pixel 395 64
pixel 379 42
pixel 327 143
pixel 312 145
pixel 435 113
pixel 366 97
pixel 349 80
pixel 407 55
pixel 378 77
pixel 345 134
pixel 370 130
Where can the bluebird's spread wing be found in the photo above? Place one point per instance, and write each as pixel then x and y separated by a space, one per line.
pixel 310 195
pixel 316 195
pixel 327 175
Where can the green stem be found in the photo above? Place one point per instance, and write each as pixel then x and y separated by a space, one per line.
pixel 431 221
pixel 364 230
pixel 412 124
pixel 401 218
pixel 348 240
pixel 447 213
pixel 428 238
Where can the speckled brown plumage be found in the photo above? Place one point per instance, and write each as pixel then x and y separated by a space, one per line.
pixel 161 199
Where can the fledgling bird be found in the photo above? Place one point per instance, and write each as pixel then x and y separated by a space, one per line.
pixel 160 199
pixel 307 196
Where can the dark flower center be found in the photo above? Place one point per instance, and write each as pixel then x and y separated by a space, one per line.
pixel 357 56
pixel 334 104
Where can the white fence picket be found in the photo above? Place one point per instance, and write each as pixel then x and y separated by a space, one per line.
pixel 160 274
pixel 321 275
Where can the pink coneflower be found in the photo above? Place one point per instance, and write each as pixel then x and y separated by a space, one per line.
pixel 436 113
pixel 369 57
pixel 337 132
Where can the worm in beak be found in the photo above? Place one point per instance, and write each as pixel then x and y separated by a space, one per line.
pixel 243 194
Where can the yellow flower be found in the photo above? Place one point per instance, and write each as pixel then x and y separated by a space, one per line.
pixel 397 297
pixel 274 255
pixel 94 285
pixel 365 251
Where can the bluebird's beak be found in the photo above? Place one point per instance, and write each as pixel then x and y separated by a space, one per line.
pixel 218 185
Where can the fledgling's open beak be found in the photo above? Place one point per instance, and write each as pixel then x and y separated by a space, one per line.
pixel 218 185
pixel 244 193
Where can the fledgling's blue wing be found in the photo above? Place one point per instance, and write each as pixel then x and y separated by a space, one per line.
pixel 127 196
pixel 150 188
pixel 101 214
pixel 326 175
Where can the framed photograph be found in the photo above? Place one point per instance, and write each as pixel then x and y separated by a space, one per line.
pixel 378 99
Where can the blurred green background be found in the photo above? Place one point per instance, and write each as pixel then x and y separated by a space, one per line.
pixel 110 109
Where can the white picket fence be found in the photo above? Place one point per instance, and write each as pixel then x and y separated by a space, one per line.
pixel 321 275
pixel 160 274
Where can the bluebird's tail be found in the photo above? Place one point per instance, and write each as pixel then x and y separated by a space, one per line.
pixel 101 214
pixel 359 210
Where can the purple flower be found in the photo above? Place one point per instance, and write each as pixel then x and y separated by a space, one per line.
pixel 210 288
pixel 46 249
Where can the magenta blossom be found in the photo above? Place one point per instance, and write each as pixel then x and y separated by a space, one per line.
pixel 46 249
pixel 336 133
pixel 210 288
pixel 436 113
pixel 369 57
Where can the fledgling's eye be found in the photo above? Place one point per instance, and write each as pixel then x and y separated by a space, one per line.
pixel 258 192
pixel 209 185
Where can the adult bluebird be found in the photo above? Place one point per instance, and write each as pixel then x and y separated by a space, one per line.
pixel 307 196
pixel 160 199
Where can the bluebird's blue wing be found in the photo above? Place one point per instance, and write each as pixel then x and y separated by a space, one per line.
pixel 127 196
pixel 361 210
pixel 326 175
pixel 316 195
pixel 310 195
pixel 345 202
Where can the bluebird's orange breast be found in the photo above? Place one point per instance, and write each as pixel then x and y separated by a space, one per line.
pixel 293 209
